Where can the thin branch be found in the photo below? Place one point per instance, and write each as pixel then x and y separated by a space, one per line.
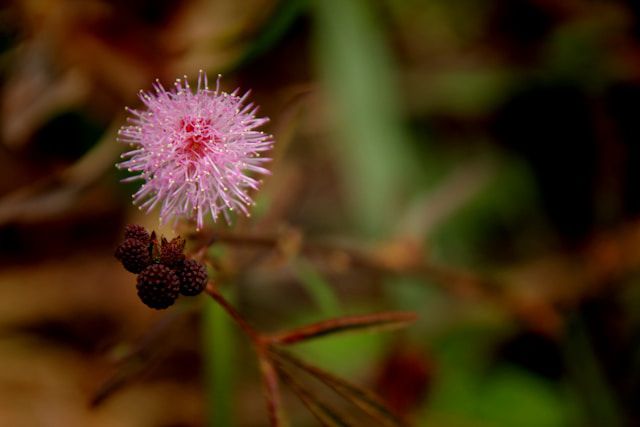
pixel 271 387
pixel 533 291
pixel 269 374
pixel 376 321
pixel 235 315
pixel 362 398
pixel 458 282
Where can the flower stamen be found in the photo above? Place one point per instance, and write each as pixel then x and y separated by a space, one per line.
pixel 194 150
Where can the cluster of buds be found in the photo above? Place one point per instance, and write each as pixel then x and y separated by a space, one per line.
pixel 164 273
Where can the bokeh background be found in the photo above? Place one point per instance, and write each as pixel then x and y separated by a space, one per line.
pixel 484 153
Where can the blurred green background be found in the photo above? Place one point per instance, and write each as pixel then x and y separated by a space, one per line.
pixel 485 153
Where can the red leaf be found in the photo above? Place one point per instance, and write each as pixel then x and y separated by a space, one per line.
pixel 370 322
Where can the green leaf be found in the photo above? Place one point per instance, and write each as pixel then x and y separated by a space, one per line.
pixel 219 360
pixel 471 390
pixel 358 73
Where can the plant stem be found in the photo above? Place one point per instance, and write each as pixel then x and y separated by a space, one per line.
pixel 261 345
pixel 233 313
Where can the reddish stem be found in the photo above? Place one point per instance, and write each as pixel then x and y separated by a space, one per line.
pixel 235 315
pixel 269 374
pixel 271 386
pixel 330 326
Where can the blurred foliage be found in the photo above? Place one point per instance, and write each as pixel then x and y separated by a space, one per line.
pixel 355 63
pixel 495 139
pixel 220 369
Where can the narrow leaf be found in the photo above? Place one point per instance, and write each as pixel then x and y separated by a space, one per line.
pixel 323 412
pixel 369 322
pixel 364 399
pixel 271 389
pixel 115 383
pixel 358 72
pixel 219 362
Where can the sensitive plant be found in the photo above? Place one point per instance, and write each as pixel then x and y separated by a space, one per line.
pixel 195 151
pixel 198 153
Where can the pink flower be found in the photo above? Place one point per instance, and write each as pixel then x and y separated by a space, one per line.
pixel 194 151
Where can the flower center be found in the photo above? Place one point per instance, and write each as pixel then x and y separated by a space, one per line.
pixel 197 134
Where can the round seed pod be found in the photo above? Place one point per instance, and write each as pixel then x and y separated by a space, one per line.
pixel 134 255
pixel 193 277
pixel 138 232
pixel 158 286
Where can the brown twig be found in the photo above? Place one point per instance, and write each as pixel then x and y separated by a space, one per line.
pixel 458 282
pixel 364 399
pixel 233 313
pixel 533 292
pixel 271 386
pixel 268 372
pixel 376 321
pixel 265 346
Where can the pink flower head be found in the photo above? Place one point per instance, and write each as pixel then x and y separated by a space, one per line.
pixel 194 150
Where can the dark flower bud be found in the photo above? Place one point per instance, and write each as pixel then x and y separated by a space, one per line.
pixel 158 286
pixel 137 232
pixel 193 277
pixel 172 253
pixel 134 255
